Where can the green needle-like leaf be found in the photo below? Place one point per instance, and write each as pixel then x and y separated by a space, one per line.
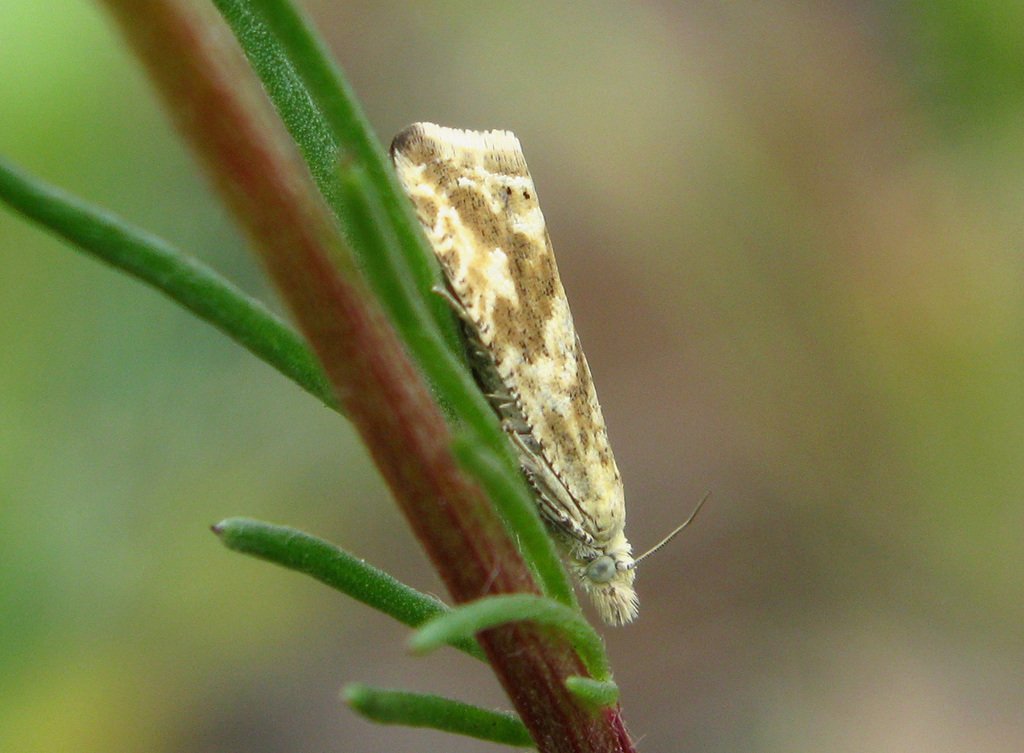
pixel 468 619
pixel 162 266
pixel 369 231
pixel 324 117
pixel 338 569
pixel 435 712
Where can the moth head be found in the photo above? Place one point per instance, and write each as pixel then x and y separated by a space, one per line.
pixel 607 577
pixel 600 569
pixel 609 583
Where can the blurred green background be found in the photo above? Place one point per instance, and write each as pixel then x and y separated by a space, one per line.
pixel 792 237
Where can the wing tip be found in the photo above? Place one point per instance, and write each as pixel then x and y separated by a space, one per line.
pixel 425 142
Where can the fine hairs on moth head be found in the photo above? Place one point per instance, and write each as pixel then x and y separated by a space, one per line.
pixel 478 206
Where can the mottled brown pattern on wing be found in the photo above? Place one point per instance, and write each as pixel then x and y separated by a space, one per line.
pixel 426 210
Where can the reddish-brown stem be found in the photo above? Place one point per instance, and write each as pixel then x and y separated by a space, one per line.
pixel 220 107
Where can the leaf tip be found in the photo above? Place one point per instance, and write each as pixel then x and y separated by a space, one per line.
pixel 354 695
pixel 227 530
pixel 420 644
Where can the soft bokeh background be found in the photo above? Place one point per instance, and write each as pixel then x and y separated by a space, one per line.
pixel 792 237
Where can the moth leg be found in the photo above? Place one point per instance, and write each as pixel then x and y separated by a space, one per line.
pixel 453 301
pixel 502 403
pixel 516 426
pixel 529 450
pixel 563 524
pixel 552 509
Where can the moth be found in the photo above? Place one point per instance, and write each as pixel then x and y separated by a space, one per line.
pixel 475 198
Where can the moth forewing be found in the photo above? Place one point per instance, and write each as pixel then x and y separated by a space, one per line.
pixel 477 203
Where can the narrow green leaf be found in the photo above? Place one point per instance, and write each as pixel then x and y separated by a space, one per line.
pixel 323 115
pixel 521 514
pixel 596 694
pixel 347 123
pixel 435 712
pixel 302 116
pixel 369 232
pixel 468 619
pixel 338 569
pixel 182 278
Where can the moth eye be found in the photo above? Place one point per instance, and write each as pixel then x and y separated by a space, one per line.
pixel 601 570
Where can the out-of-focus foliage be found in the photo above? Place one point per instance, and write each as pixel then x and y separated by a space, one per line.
pixel 791 236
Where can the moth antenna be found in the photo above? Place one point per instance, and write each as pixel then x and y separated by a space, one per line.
pixel 672 535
